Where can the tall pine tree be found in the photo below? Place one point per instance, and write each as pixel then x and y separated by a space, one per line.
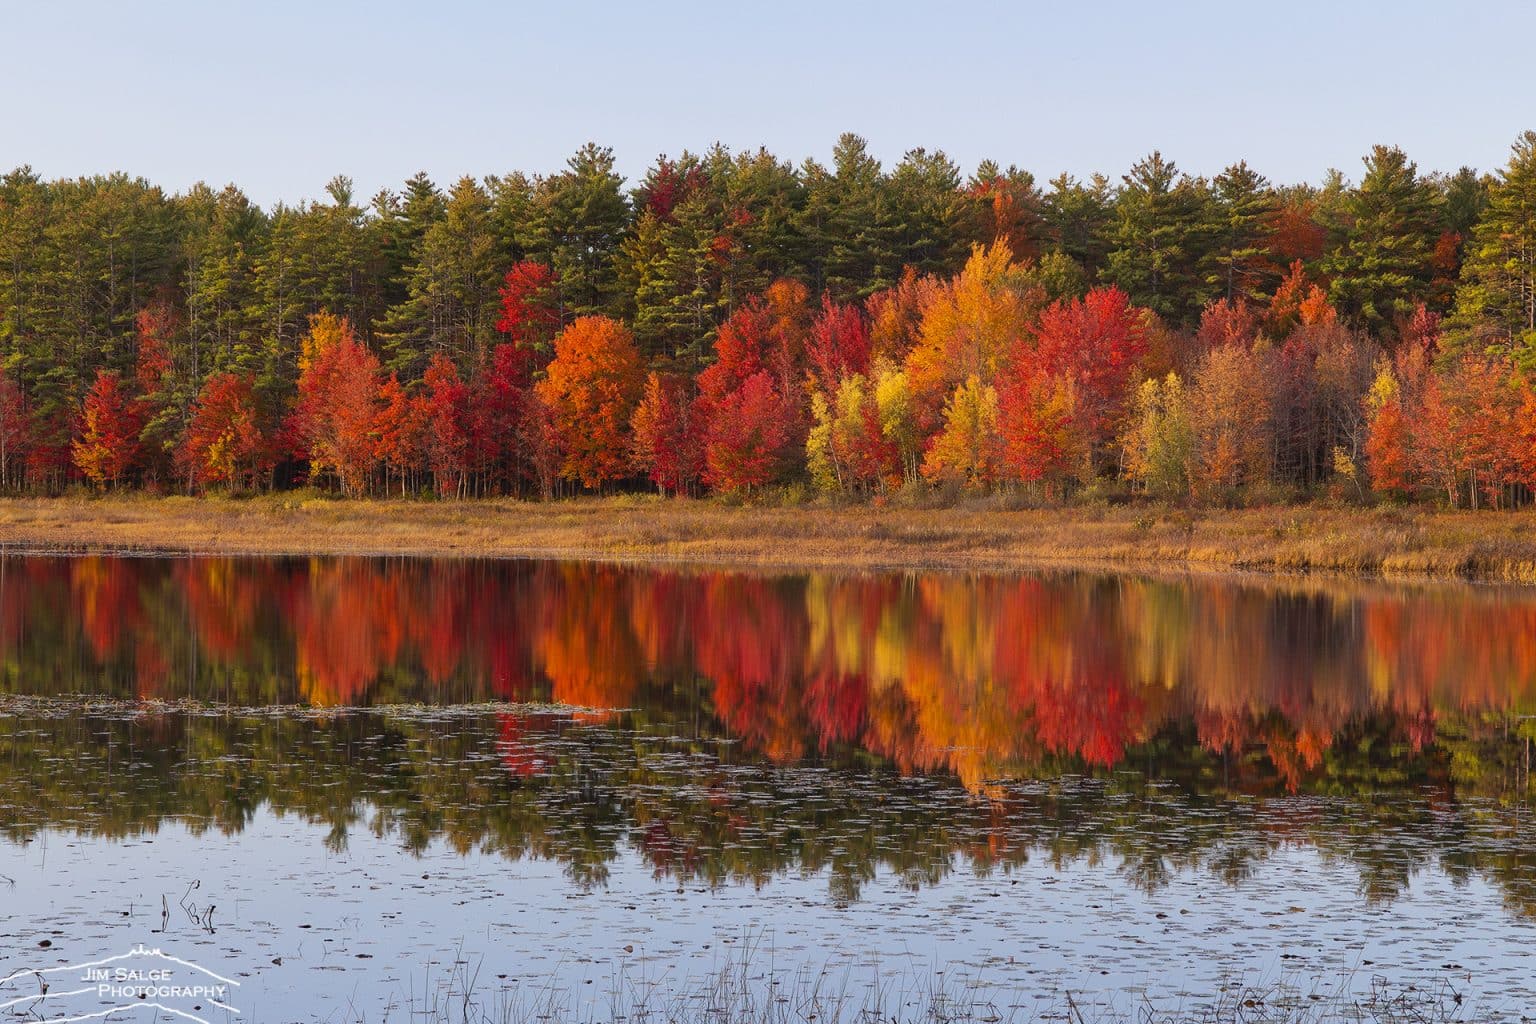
pixel 1382 270
pixel 1496 299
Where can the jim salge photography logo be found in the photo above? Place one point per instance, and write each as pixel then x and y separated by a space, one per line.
pixel 141 978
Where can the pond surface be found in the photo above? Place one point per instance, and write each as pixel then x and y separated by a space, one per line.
pixel 374 789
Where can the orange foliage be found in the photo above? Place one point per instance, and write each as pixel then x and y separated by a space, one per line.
pixel 338 390
pixel 970 326
pixel 592 388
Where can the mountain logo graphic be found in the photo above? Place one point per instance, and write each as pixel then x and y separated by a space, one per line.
pixel 141 978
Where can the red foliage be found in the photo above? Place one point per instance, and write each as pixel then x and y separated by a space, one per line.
pixel 1298 300
pixel 223 442
pixel 749 431
pixel 155 324
pixel 1035 417
pixel 442 413
pixel 338 391
pixel 397 430
pixel 14 423
pixel 497 396
pixel 839 345
pixel 530 308
pixel 49 450
pixel 1386 450
pixel 767 333
pixel 1421 332
pixel 1225 322
pixel 738 350
pixel 110 423
pixel 668 186
pixel 1294 233
pixel 539 438
pixel 748 408
pixel 667 446
pixel 1011 215
pixel 867 456
pixel 1095 342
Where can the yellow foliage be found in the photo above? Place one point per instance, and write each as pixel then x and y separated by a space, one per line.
pixel 1384 389
pixel 969 448
pixel 971 323
pixel 326 330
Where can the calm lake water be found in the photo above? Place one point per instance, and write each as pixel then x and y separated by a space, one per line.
pixel 385 789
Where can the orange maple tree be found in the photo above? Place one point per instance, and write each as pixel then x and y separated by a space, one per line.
pixel 591 388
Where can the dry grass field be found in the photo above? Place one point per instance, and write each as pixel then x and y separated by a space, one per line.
pixel 1384 542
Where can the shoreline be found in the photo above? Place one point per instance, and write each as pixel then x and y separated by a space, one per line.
pixel 1381 543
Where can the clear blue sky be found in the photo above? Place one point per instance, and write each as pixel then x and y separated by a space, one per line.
pixel 279 96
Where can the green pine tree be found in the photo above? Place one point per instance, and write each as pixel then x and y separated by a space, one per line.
pixel 1235 263
pixel 1164 227
pixel 1381 269
pixel 576 222
pixel 1496 297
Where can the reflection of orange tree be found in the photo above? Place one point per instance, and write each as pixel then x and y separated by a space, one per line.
pixel 109 598
pixel 980 676
pixel 501 620
pixel 433 611
pixel 106 598
pixel 585 640
pixel 343 631
pixel 1463 648
pixel 1066 649
pixel 664 607
pixel 960 714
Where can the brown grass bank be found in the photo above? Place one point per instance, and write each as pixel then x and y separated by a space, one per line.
pixel 1372 542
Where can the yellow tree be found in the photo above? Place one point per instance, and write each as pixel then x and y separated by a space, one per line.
pixel 969 326
pixel 1159 443
pixel 969 448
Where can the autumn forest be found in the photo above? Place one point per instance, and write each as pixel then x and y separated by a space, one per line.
pixel 734 323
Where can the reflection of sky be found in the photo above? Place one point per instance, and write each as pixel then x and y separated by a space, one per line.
pixel 383 924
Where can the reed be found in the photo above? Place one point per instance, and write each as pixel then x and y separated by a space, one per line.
pixel 749 988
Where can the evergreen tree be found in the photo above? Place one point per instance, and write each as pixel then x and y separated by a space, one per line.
pixel 847 223
pixel 461 270
pixel 1244 205
pixel 400 223
pixel 576 222
pixel 24 357
pixel 105 249
pixel 511 208
pixel 927 210
pixel 1466 196
pixel 1382 269
pixel 317 259
pixel 1078 220
pixel 223 236
pixel 1496 300
pixel 671 265
pixel 763 198
pixel 672 269
pixel 1163 230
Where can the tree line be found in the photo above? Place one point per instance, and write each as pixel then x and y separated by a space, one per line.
pixel 734 322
